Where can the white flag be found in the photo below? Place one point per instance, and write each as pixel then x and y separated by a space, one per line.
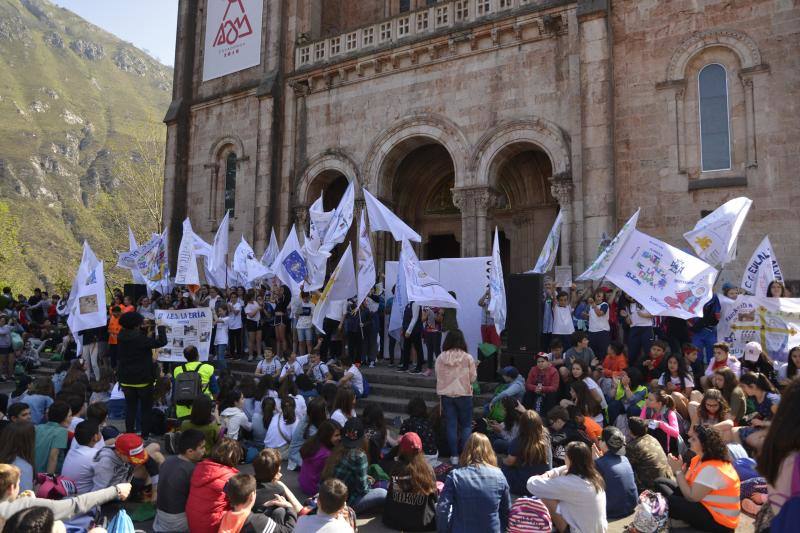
pixel 152 264
pixel 89 261
pixel 219 257
pixel 245 263
pixel 341 220
pixel 761 270
pixel 271 252
pixel 366 263
pixel 547 258
pixel 186 268
pixel 340 286
pixel 382 219
pixel 774 323
pixel 395 328
pixel 316 265
pixel 137 276
pixel 290 265
pixel 598 269
pixel 497 288
pixel 319 221
pixel 89 307
pixel 714 236
pixel 420 286
pixel 665 280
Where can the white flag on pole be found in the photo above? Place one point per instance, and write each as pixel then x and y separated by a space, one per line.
pixel 399 303
pixel 497 288
pixel 714 236
pixel 547 258
pixel 340 286
pixel 665 280
pixel 319 221
pixel 420 286
pixel 219 258
pixel 290 265
pixel 598 269
pixel 89 307
pixel 382 219
pixel 89 261
pixel 245 263
pixel 761 270
pixel 271 252
pixel 132 246
pixel 316 265
pixel 341 219
pixel 186 267
pixel 366 262
pixel 151 263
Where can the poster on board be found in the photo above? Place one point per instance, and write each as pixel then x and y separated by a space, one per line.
pixel 233 37
pixel 564 277
pixel 185 327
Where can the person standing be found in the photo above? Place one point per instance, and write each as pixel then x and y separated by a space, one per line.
pixel 599 326
pixel 455 372
pixel 136 369
pixel 640 336
pixel 412 336
pixel 432 319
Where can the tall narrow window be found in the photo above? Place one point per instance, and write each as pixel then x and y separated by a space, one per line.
pixel 230 183
pixel 405 5
pixel 715 134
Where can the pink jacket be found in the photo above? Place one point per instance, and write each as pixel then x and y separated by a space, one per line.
pixel 455 372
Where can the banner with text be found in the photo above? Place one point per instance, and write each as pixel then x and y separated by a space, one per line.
pixel 233 37
pixel 185 327
pixel 772 322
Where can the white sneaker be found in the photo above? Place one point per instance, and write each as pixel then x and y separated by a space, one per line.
pixel 454 461
pixel 250 359
pixel 291 466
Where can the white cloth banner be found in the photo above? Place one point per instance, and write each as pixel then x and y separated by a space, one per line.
pixel 497 288
pixel 245 263
pixel 341 286
pixel 218 261
pixel 186 267
pixel 761 270
pixel 665 280
pixel 132 245
pixel 271 252
pixel 420 286
pixel 547 257
pixel 381 218
pixel 772 322
pixel 88 262
pixel 152 263
pixel 341 220
pixel 714 236
pixel 598 269
pixel 366 262
pixel 89 307
pixel 464 276
pixel 233 36
pixel 290 265
pixel 185 327
pixel 319 221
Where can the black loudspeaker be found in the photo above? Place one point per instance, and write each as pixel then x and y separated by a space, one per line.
pixel 135 291
pixel 524 316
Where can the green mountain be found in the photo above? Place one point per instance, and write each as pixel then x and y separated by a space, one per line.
pixel 81 143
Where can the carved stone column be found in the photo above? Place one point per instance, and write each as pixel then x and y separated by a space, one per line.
pixel 464 200
pixel 561 189
pixel 485 199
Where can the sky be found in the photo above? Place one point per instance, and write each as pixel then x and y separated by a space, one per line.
pixel 148 24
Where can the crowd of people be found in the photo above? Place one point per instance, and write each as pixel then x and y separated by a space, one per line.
pixel 623 415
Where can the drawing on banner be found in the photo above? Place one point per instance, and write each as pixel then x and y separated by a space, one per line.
pixel 233 36
pixel 88 304
pixel 772 322
pixel 598 269
pixel 295 267
pixel 564 276
pixel 187 327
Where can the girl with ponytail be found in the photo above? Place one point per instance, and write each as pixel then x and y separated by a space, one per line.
pixel 659 411
pixel 765 398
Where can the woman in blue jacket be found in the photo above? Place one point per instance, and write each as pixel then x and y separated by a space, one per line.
pixel 476 495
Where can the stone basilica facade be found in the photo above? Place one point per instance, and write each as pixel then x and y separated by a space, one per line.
pixel 463 115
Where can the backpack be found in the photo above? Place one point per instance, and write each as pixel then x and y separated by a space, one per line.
pixel 188 385
pixel 367 387
pixel 121 523
pixel 529 515
pixel 651 514
pixel 790 510
pixel 52 487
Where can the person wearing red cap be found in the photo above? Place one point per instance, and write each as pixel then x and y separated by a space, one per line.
pixel 128 459
pixel 411 500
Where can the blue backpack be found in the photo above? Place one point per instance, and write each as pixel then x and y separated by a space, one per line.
pixel 121 523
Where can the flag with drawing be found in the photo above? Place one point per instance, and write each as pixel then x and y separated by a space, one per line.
pixel 761 270
pixel 547 257
pixel 598 269
pixel 772 322
pixel 714 236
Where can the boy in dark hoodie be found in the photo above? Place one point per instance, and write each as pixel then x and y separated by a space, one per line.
pixel 563 430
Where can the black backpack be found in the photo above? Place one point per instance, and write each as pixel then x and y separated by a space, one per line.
pixel 188 385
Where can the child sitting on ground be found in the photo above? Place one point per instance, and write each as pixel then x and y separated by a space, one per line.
pixel 240 491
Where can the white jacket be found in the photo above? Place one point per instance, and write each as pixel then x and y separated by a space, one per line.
pixel 234 419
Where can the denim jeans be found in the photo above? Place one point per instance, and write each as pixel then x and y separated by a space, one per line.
pixel 640 339
pixel 371 500
pixel 457 412
pixel 704 340
pixel 222 351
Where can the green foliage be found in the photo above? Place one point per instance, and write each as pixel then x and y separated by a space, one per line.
pixel 81 144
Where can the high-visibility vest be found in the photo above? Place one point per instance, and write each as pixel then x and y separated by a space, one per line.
pixel 723 504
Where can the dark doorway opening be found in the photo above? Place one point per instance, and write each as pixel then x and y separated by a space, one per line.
pixel 505 253
pixel 442 246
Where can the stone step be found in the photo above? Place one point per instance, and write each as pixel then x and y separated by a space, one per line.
pixel 407 393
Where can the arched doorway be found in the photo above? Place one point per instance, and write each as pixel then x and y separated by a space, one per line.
pixel 521 173
pixel 331 184
pixel 421 173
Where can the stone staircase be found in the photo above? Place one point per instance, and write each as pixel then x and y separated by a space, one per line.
pixel 390 390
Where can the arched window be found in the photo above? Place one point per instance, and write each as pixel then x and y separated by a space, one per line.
pixel 230 183
pixel 715 134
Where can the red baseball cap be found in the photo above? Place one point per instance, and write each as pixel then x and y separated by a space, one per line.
pixel 132 447
pixel 410 443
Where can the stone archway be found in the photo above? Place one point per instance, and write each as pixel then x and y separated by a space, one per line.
pixel 325 166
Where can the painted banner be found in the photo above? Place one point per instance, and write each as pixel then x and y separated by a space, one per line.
pixel 233 36
pixel 497 288
pixel 665 280
pixel 185 327
pixel 772 322
pixel 761 270
pixel 547 257
pixel 563 277
pixel 714 236
pixel 598 269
